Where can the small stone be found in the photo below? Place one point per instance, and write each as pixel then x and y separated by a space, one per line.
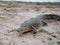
pixel 49 38
pixel 54 36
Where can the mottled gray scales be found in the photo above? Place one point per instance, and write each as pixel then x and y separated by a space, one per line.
pixel 34 23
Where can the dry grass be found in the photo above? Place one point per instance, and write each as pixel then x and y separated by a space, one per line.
pixel 14 4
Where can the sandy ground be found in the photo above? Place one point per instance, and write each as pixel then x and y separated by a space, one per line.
pixel 12 16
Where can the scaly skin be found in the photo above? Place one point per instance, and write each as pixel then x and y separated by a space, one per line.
pixel 34 23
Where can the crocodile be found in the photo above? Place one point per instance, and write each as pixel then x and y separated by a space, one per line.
pixel 34 24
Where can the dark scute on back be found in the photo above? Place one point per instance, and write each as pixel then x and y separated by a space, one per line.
pixel 51 17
